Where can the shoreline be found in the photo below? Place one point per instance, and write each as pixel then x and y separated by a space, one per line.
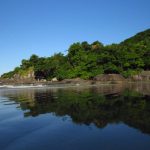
pixel 105 88
pixel 49 84
pixel 98 80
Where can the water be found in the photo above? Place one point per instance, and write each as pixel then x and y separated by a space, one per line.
pixel 108 117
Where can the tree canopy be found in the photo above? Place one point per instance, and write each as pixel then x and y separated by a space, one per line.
pixel 86 60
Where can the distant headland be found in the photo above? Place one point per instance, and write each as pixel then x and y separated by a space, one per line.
pixel 128 60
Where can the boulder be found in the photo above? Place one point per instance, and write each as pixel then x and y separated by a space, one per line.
pixel 54 79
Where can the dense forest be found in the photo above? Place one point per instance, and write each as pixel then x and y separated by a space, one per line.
pixel 86 60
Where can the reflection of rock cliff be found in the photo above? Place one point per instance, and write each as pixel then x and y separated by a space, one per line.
pixel 140 87
pixel 98 105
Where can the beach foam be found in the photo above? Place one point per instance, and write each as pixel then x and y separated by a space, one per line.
pixel 21 86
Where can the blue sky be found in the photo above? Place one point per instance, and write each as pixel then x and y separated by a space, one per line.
pixel 44 27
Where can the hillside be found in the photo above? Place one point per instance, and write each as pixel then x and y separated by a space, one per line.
pixel 142 38
pixel 86 61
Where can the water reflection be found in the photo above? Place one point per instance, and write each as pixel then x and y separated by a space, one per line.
pixel 101 105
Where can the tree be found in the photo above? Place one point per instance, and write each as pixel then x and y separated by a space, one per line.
pixel 33 60
pixel 86 60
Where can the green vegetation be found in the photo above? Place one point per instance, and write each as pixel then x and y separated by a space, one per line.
pixel 86 60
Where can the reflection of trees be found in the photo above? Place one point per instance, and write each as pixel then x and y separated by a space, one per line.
pixel 89 105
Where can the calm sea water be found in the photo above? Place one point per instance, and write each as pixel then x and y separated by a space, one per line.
pixel 108 117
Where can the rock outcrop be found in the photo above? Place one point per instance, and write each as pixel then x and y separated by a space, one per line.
pixel 30 75
pixel 25 78
pixel 109 78
pixel 143 76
